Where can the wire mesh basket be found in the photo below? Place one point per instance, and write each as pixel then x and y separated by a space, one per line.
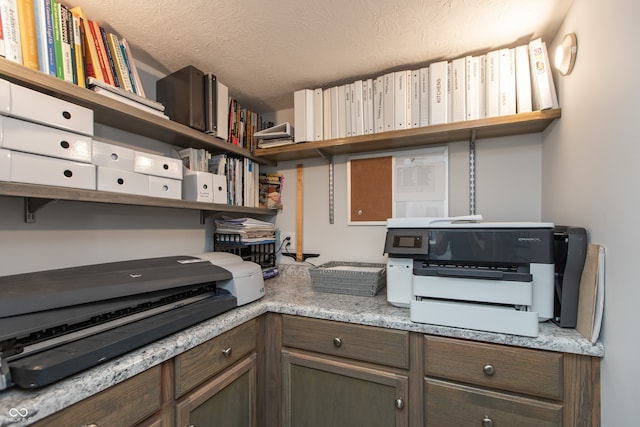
pixel 353 278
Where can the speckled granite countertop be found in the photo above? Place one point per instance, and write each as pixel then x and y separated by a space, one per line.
pixel 291 293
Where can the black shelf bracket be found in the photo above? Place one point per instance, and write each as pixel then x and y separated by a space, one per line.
pixel 33 205
pixel 324 155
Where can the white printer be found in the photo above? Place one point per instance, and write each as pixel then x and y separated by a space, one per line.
pixel 247 284
pixel 461 272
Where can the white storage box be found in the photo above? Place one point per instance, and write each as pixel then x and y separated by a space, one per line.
pixel 5 165
pixel 18 101
pixel 220 189
pixel 35 169
pixel 112 156
pixel 121 181
pixel 20 135
pixel 197 186
pixel 153 164
pixel 165 187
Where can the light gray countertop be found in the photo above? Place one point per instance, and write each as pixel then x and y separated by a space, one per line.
pixel 290 293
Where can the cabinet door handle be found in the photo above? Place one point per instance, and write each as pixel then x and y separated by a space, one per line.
pixel 488 369
pixel 226 352
pixel 337 342
pixel 399 403
pixel 487 422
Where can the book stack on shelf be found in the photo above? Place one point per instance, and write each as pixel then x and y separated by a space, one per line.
pixel 61 41
pixel 275 136
pixel 250 238
pixel 498 83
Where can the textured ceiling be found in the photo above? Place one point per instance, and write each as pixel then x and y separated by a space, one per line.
pixel 264 50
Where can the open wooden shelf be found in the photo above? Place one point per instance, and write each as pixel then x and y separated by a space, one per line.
pixel 516 124
pixel 48 193
pixel 119 115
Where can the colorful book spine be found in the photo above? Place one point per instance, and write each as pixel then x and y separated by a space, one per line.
pixel 65 43
pixel 11 30
pixel 119 62
pixel 110 59
pixel 78 50
pixel 2 51
pixel 136 82
pixel 44 36
pixel 101 53
pixel 57 38
pixel 92 62
pixel 125 58
pixel 28 40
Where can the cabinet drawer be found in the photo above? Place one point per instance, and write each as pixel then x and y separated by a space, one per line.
pixel 448 404
pixel 522 370
pixel 367 343
pixel 18 101
pixel 195 366
pixel 124 404
pixel 25 136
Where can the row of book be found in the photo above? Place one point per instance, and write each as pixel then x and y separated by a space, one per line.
pixel 61 41
pixel 243 125
pixel 501 82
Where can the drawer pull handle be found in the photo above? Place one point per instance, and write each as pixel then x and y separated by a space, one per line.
pixel 227 352
pixel 488 370
pixel 487 422
pixel 65 144
pixel 399 403
pixel 66 115
pixel 337 342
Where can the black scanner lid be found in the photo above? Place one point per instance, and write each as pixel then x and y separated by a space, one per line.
pixel 46 290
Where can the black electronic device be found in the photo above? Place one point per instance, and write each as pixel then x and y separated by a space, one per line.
pixel 183 95
pixel 570 251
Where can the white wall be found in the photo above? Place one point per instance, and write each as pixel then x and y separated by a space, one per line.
pixel 590 169
pixel 508 189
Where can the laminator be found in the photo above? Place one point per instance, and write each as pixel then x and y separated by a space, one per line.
pixel 461 272
pixel 56 323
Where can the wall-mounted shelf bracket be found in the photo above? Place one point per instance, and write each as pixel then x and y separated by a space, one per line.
pixel 472 173
pixel 330 160
pixel 33 205
pixel 331 190
pixel 327 157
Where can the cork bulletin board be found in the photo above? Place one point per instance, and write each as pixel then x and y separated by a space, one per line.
pixel 371 189
pixel 406 184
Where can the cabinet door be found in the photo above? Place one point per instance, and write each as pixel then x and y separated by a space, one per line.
pixel 319 391
pixel 228 399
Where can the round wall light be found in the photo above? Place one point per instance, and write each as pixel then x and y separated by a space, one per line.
pixel 566 54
